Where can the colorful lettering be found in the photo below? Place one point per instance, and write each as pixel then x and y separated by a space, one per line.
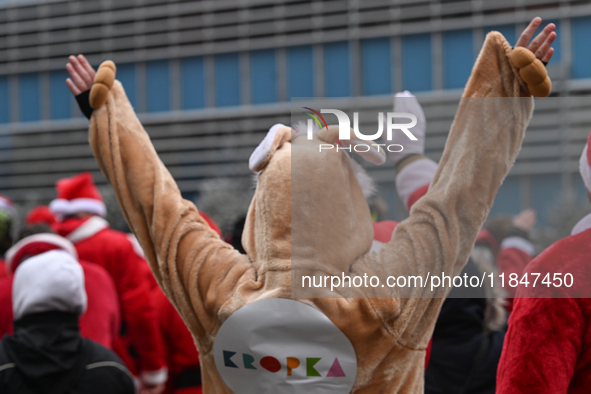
pixel 310 371
pixel 292 363
pixel 248 360
pixel 336 370
pixel 227 362
pixel 271 364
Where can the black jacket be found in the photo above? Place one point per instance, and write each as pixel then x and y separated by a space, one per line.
pixel 47 355
pixel 458 338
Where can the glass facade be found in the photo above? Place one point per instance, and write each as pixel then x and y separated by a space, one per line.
pixel 376 73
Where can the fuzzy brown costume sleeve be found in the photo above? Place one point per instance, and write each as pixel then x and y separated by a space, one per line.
pixel 185 254
pixel 437 238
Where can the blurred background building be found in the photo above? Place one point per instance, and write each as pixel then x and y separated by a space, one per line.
pixel 209 78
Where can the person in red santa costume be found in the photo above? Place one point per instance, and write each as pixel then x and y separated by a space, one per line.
pixel 548 345
pixel 41 215
pixel 102 318
pixel 182 357
pixel 7 213
pixel 81 209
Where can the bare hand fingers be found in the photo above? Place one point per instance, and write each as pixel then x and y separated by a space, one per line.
pixel 81 71
pixel 75 91
pixel 80 83
pixel 542 37
pixel 548 55
pixel 528 32
pixel 545 46
pixel 86 66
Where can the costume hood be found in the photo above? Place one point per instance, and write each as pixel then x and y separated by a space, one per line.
pixel 308 201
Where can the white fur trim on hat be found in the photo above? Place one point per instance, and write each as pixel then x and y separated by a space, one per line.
pixel 64 207
pixel 518 243
pixel 47 238
pixel 51 281
pixel 583 225
pixel 585 169
pixel 414 176
pixel 261 151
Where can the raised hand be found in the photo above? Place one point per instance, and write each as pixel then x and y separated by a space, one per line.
pixel 541 46
pixel 408 103
pixel 525 220
pixel 81 73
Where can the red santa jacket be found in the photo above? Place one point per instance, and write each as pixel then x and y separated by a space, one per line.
pixel 100 322
pixel 112 250
pixel 182 357
pixel 548 345
pixel 2 269
pixel 181 354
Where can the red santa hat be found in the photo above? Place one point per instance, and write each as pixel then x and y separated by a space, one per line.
pixel 78 194
pixel 585 164
pixel 7 205
pixel 34 245
pixel 40 215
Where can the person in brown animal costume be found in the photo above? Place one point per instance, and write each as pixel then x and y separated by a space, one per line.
pixel 309 215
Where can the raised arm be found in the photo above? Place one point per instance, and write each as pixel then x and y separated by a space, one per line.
pixel 197 270
pixel 483 143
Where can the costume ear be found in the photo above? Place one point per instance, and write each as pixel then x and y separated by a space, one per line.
pixel 366 149
pixel 329 135
pixel 276 137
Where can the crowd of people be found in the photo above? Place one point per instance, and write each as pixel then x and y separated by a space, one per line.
pixel 85 309
pixel 124 309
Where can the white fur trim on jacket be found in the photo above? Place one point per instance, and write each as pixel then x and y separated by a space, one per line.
pixel 518 243
pixel 88 229
pixel 47 238
pixel 62 207
pixel 51 281
pixel 585 169
pixel 155 377
pixel 582 225
pixel 414 176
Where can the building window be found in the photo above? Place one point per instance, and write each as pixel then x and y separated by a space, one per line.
pixel 508 31
pixel 417 74
pixel 458 58
pixel 581 31
pixel 376 66
pixel 581 190
pixel 158 86
pixel 127 76
pixel 508 197
pixel 263 77
pixel 60 103
pixel 29 97
pixel 300 71
pixel 192 83
pixel 337 70
pixel 4 100
pixel 227 79
pixel 545 192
